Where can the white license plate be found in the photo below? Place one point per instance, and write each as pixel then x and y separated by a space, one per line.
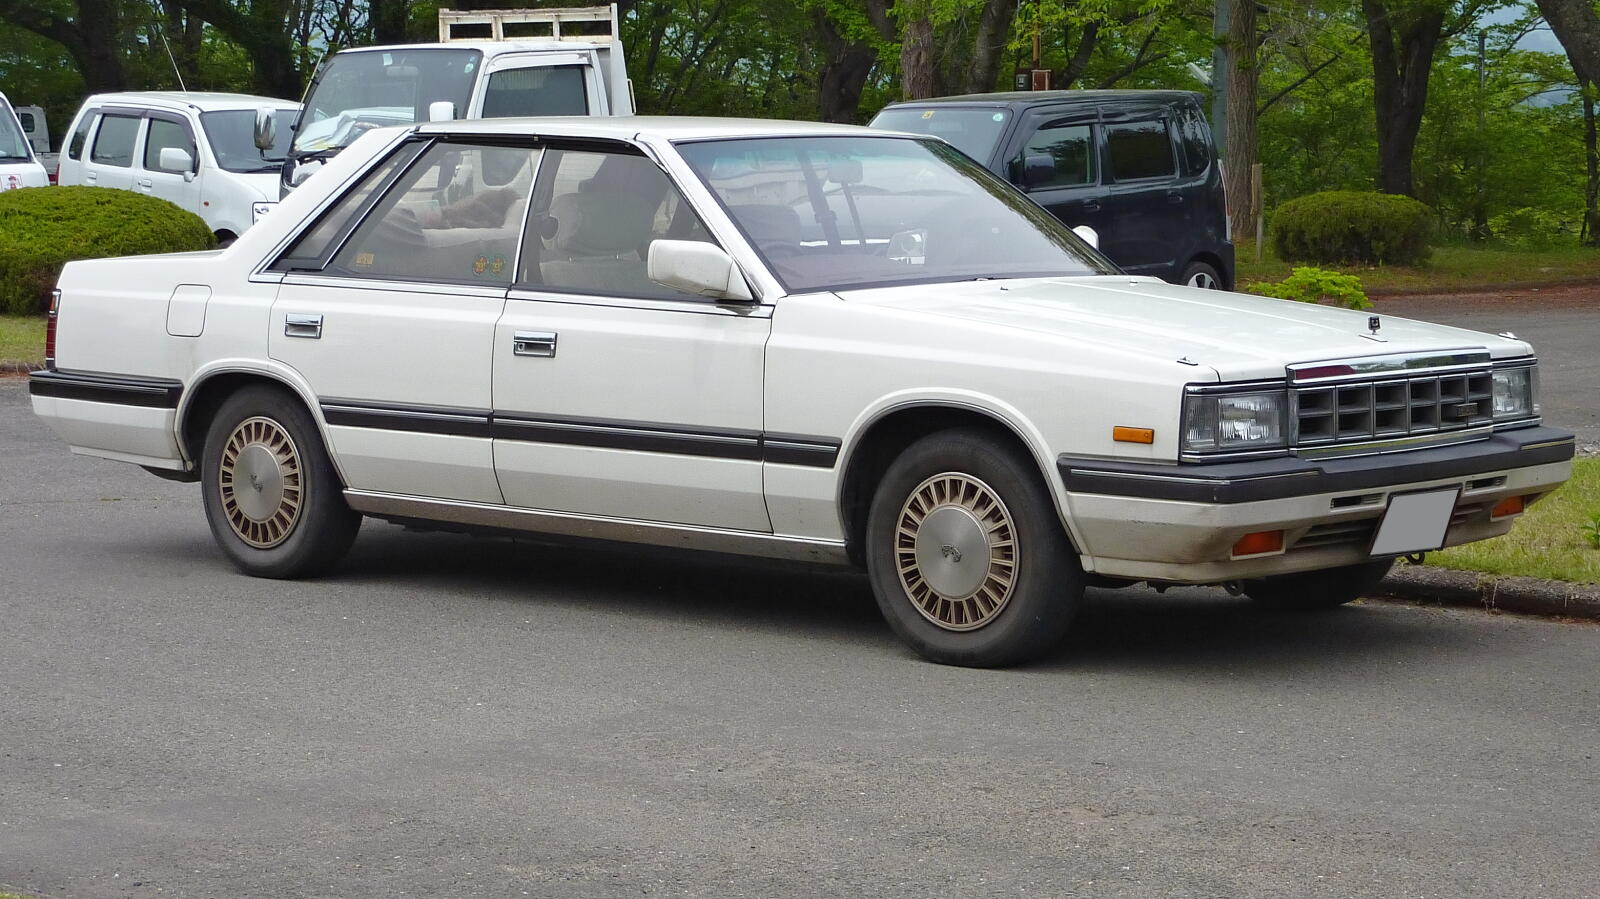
pixel 1415 522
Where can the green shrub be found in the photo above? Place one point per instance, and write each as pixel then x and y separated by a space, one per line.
pixel 1316 285
pixel 1349 226
pixel 43 228
pixel 1529 228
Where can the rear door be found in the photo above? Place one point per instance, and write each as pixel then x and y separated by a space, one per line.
pixel 1144 201
pixel 109 161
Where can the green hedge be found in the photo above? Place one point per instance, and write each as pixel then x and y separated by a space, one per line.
pixel 43 228
pixel 1349 226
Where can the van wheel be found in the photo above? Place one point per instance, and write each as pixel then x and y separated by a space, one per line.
pixel 1317 589
pixel 966 554
pixel 1202 275
pixel 271 494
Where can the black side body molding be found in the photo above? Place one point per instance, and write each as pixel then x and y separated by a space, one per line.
pixel 125 390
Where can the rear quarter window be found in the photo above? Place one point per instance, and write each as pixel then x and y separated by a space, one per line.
pixel 80 134
pixel 1140 150
pixel 1195 138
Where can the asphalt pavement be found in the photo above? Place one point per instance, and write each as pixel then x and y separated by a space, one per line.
pixel 455 716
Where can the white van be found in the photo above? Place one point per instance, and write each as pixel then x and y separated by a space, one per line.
pixel 19 167
pixel 197 150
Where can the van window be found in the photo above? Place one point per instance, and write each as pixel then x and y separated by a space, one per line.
pixel 1072 148
pixel 113 143
pixel 1196 146
pixel 165 134
pixel 544 90
pixel 75 145
pixel 1140 150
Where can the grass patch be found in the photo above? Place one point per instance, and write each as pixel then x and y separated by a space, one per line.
pixel 21 340
pixel 1548 542
pixel 1450 267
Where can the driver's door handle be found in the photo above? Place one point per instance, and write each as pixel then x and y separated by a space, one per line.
pixel 533 343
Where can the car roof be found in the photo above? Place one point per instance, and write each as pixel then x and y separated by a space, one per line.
pixel 672 128
pixel 1006 98
pixel 490 48
pixel 200 100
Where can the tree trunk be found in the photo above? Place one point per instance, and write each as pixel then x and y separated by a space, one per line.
pixel 1590 236
pixel 90 34
pixel 917 56
pixel 1243 82
pixel 994 30
pixel 1577 26
pixel 1404 41
pixel 844 73
pixel 389 19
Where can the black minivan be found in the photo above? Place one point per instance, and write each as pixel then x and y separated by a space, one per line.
pixel 1137 166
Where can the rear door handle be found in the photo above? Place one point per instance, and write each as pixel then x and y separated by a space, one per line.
pixel 301 325
pixel 1091 205
pixel 533 343
pixel 146 183
pixel 90 177
pixel 1175 197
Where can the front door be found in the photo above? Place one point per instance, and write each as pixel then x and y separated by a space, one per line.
pixel 182 189
pixel 393 325
pixel 615 396
pixel 1072 192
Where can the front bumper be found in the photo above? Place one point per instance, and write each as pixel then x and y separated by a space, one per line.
pixel 1179 522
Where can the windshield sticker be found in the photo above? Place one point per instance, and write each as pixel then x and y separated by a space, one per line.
pixel 928 114
pixel 497 265
pixel 999 117
pixel 364 260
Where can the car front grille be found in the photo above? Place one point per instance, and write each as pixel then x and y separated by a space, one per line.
pixel 1360 411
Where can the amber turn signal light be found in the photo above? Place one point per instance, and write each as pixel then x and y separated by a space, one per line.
pixel 1511 505
pixel 1133 435
pixel 1258 543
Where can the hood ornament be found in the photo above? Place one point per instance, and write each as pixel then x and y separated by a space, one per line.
pixel 1373 324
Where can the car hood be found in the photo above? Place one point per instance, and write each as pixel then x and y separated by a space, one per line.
pixel 1238 336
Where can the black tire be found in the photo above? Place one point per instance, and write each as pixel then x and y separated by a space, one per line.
pixel 265 431
pixel 998 489
pixel 1202 275
pixel 1324 589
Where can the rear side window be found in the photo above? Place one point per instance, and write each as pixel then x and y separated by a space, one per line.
pixel 1072 148
pixel 81 134
pixel 113 143
pixel 315 244
pixel 1140 150
pixel 546 90
pixel 165 134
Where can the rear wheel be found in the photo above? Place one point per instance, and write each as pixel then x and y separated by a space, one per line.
pixel 1318 589
pixel 1202 275
pixel 966 555
pixel 271 494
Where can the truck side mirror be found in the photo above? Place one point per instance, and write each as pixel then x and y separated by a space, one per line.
pixel 1036 169
pixel 441 111
pixel 266 133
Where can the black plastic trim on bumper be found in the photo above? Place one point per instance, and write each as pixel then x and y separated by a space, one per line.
pixel 125 390
pixel 1281 478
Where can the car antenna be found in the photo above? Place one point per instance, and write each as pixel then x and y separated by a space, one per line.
pixel 163 34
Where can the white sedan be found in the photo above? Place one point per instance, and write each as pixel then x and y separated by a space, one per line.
pixel 790 340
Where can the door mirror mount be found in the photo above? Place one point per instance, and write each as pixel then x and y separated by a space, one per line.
pixel 699 268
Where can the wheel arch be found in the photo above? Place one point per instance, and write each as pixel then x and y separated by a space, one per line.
pixel 885 434
pixel 210 389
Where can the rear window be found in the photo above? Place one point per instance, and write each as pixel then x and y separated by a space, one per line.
pixel 973 131
pixel 545 90
pixel 1140 150
pixel 113 143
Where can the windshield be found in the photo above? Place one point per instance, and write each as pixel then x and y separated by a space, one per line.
pixel 832 213
pixel 973 131
pixel 232 135
pixel 359 91
pixel 12 144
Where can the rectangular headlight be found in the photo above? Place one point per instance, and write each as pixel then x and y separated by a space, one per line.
pixel 1234 422
pixel 1514 393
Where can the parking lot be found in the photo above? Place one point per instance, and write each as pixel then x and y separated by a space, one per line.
pixel 451 716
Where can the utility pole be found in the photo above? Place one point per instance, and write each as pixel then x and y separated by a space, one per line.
pixel 1219 76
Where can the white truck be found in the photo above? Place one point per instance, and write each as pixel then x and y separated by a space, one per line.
pixel 37 129
pixel 487 64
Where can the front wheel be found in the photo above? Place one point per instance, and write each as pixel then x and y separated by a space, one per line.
pixel 271 494
pixel 966 555
pixel 1318 589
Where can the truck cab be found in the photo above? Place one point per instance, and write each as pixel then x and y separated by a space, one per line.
pixel 488 64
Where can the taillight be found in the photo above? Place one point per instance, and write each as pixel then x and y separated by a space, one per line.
pixel 50 330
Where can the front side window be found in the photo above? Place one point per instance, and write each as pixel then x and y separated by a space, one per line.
pixel 595 216
pixel 165 134
pixel 545 90
pixel 1071 147
pixel 1140 150
pixel 831 213
pixel 113 142
pixel 358 91
pixel 232 136
pixel 455 216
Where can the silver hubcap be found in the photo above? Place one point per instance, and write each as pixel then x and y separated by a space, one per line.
pixel 260 482
pixel 1204 280
pixel 956 551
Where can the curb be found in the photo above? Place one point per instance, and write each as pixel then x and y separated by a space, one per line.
pixel 1496 593
pixel 1379 293
pixel 18 368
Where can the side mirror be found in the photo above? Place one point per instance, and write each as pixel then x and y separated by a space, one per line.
pixel 1090 236
pixel 177 161
pixel 266 133
pixel 1037 168
pixel 698 268
pixel 441 111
